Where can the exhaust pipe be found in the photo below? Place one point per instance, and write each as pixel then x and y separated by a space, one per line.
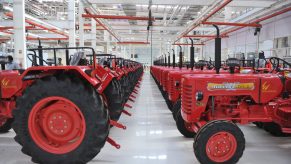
pixel 180 57
pixel 174 60
pixel 217 50
pixel 192 56
pixel 165 64
pixel 169 62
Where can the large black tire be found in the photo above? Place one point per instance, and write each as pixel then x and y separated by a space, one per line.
pixel 259 124
pixel 6 125
pixel 124 88
pixel 176 108
pixel 212 129
pixel 273 129
pixel 168 102
pixel 85 98
pixel 182 127
pixel 114 100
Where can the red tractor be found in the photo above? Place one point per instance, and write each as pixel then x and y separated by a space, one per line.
pixel 59 112
pixel 212 104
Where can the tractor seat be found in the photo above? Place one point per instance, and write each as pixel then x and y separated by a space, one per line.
pixel 232 62
pixel 201 63
pixel 76 58
pixel 19 70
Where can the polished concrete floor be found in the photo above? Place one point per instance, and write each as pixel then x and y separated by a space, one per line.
pixel 151 138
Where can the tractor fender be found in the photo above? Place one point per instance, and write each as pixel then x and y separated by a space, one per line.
pixel 33 73
pixel 104 76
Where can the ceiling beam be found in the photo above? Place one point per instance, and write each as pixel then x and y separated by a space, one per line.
pixel 87 10
pixel 134 42
pixel 159 28
pixel 116 17
pixel 233 24
pixel 217 6
pixel 154 2
pixel 203 36
pixel 187 44
pixel 237 3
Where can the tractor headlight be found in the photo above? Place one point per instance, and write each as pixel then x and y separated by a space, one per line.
pixel 199 96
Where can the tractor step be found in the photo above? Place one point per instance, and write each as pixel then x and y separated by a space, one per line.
pixel 130 99
pixel 126 112
pixel 118 125
pixel 135 91
pixel 127 105
pixel 286 130
pixel 113 143
pixel 132 96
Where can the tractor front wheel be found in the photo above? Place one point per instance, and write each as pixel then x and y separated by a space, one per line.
pixel 273 129
pixel 5 124
pixel 219 142
pixel 184 128
pixel 60 120
pixel 176 108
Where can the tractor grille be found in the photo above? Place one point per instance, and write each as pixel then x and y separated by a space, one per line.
pixel 187 96
pixel 164 81
pixel 171 86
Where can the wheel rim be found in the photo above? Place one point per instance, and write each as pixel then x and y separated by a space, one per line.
pixel 56 125
pixel 221 146
pixel 3 121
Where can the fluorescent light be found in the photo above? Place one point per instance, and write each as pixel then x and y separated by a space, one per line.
pixel 34 19
pixel 8 8
pixel 37 36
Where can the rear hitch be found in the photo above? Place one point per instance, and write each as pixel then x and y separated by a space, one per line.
pixel 113 143
pixel 126 112
pixel 118 125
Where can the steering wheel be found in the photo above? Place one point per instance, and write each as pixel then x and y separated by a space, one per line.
pixel 210 65
pixel 233 64
pixel 275 61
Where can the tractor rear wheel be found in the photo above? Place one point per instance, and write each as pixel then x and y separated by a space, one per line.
pixel 5 124
pixel 219 141
pixel 60 120
pixel 176 108
pixel 183 127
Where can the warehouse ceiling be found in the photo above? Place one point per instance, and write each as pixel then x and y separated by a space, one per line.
pixel 172 19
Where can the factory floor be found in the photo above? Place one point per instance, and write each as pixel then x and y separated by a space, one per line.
pixel 152 138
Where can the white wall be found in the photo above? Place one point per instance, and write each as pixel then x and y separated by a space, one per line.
pixel 244 41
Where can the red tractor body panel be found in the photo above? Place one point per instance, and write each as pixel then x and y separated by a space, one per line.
pixel 175 77
pixel 11 83
pixel 258 89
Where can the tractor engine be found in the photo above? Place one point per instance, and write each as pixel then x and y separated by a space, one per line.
pixel 10 83
pixel 236 97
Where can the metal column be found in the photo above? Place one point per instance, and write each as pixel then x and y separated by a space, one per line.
pixel 93 31
pixel 19 32
pixel 72 22
pixel 81 24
